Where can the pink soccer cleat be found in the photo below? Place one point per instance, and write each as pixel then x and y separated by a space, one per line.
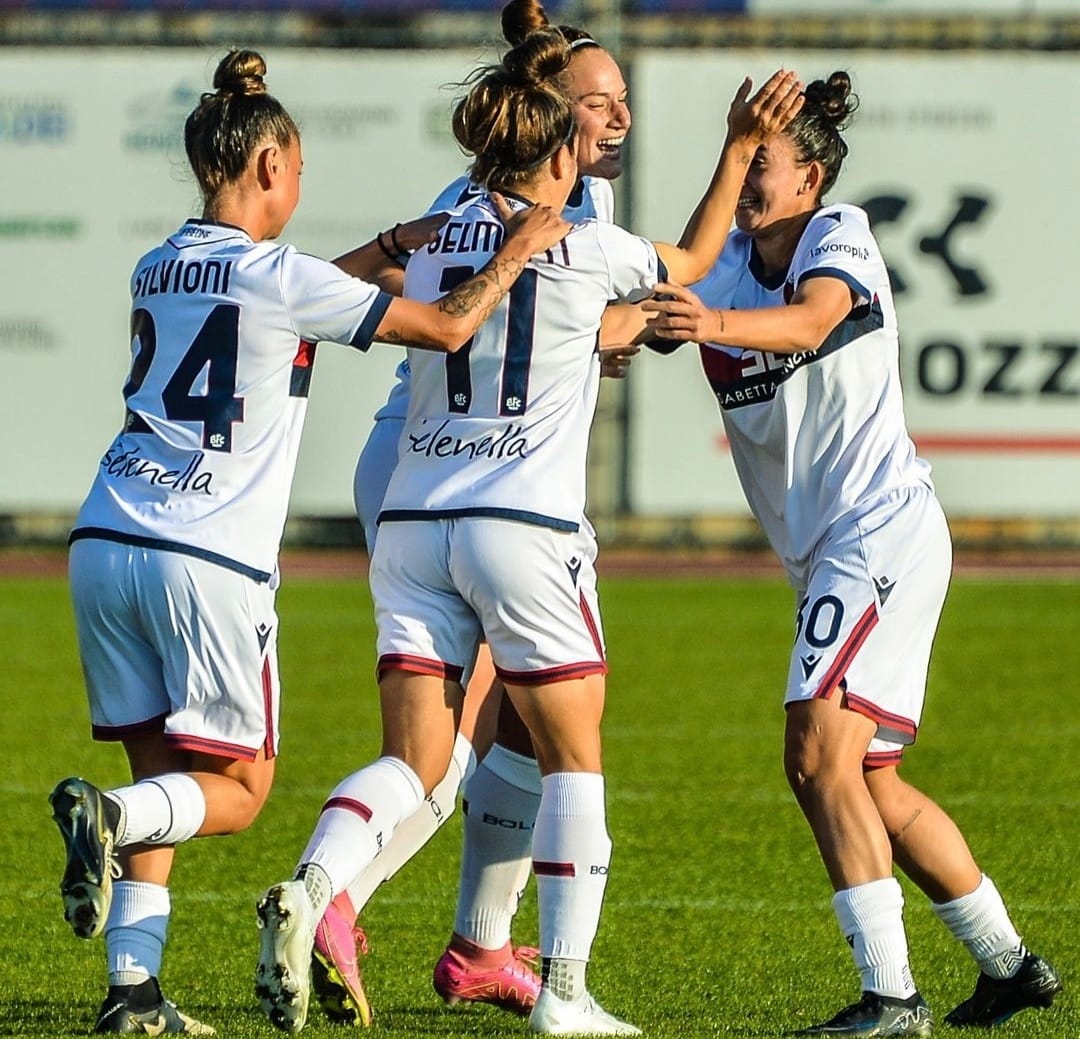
pixel 505 978
pixel 335 970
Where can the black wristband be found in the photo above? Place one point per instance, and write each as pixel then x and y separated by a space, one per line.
pixel 390 255
pixel 395 243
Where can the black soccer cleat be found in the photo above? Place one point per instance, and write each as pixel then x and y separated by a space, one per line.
pixel 81 814
pixel 996 1000
pixel 876 1015
pixel 121 1014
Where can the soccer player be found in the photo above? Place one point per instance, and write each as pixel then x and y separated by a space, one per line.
pixel 800 345
pixel 173 562
pixel 502 796
pixel 480 964
pixel 481 534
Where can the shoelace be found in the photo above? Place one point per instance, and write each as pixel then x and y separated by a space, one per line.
pixel 527 956
pixel 361 941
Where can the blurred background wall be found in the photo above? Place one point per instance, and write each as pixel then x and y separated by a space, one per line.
pixel 965 152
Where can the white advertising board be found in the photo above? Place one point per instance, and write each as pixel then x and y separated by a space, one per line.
pixel 964 165
pixel 94 174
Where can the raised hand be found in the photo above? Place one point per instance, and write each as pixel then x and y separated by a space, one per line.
pixel 752 119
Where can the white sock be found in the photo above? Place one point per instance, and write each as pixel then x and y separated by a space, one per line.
pixel 871 919
pixel 359 818
pixel 981 922
pixel 571 854
pixel 500 806
pixel 166 809
pixel 415 831
pixel 135 931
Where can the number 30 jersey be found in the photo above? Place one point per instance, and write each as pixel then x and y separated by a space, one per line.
pixel 818 435
pixel 501 427
pixel 223 332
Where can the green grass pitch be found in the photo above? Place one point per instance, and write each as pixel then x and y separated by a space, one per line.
pixel 717 918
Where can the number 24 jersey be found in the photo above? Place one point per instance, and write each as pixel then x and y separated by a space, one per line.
pixel 222 335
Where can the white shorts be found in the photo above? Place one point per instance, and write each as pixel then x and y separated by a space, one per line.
pixel 374 468
pixel 866 621
pixel 176 644
pixel 441 585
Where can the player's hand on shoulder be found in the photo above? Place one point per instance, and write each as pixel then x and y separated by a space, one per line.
pixel 751 119
pixel 537 227
pixel 415 234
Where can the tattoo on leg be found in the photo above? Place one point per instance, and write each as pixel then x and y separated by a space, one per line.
pixel 914 815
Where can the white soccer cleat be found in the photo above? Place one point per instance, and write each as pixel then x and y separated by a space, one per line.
pixel 582 1016
pixel 283 975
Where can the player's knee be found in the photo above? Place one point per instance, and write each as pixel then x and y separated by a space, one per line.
pixel 814 767
pixel 246 803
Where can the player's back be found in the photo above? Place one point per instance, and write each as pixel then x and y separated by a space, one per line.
pixel 501 427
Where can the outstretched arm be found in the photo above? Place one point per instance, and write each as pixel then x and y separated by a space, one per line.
pixel 380 260
pixel 750 121
pixel 817 307
pixel 448 323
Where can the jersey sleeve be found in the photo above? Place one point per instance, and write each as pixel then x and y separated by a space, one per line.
pixel 717 288
pixel 327 305
pixel 634 267
pixel 838 243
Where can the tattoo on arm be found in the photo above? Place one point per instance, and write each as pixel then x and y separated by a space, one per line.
pixel 720 315
pixel 481 294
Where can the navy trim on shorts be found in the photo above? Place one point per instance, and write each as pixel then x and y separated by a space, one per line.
pixel 366 332
pixel 536 519
pixel 161 545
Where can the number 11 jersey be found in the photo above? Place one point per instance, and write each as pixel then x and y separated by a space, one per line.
pixel 223 333
pixel 500 428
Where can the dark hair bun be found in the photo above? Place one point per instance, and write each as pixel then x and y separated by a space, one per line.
pixel 241 72
pixel 834 98
pixel 521 18
pixel 539 57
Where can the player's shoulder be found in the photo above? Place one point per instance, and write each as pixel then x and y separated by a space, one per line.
pixel 593 197
pixel 457 193
pixel 839 230
pixel 839 218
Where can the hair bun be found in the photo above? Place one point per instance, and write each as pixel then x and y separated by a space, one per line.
pixel 540 57
pixel 241 72
pixel 834 98
pixel 521 18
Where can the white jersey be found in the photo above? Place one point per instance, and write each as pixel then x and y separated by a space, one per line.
pixel 592 199
pixel 223 332
pixel 820 434
pixel 501 428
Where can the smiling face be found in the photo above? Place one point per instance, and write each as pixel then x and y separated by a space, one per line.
pixel 597 93
pixel 778 186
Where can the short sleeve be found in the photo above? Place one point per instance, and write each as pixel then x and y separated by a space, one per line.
pixel 327 305
pixel 838 243
pixel 717 289
pixel 633 265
